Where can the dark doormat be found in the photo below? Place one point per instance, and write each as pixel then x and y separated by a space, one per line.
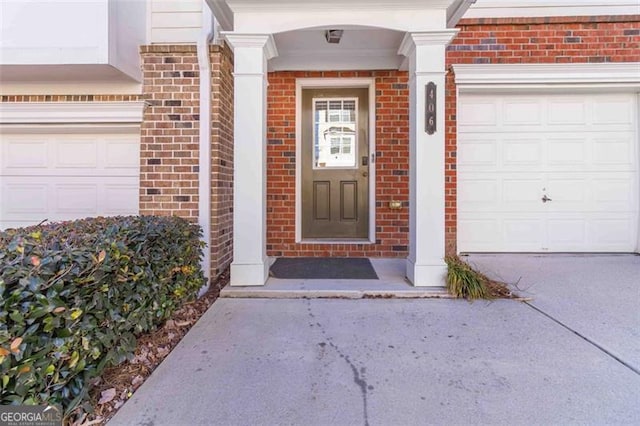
pixel 322 268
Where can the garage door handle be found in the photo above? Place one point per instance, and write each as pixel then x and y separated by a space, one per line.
pixel 545 198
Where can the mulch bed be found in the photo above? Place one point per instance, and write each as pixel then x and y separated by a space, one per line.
pixel 117 384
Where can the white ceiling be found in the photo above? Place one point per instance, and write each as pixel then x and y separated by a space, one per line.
pixel 359 48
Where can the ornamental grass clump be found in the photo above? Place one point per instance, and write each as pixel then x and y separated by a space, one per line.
pixel 465 282
pixel 75 295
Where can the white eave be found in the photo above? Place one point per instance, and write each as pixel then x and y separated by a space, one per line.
pixel 282 15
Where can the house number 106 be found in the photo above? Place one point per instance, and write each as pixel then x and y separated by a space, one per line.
pixel 430 108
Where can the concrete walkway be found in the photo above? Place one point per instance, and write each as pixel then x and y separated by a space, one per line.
pixel 402 362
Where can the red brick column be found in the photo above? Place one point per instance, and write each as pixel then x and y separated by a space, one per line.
pixel 169 131
pixel 221 158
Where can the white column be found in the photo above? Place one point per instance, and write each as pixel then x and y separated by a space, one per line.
pixel 425 52
pixel 251 53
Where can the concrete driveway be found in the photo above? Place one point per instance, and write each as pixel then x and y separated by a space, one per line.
pixel 596 296
pixel 406 362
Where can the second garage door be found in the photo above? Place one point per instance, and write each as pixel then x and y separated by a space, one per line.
pixel 547 172
pixel 49 173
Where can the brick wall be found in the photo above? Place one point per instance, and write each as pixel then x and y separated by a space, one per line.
pixel 169 148
pixel 547 40
pixel 221 158
pixel 501 40
pixel 392 165
pixel 169 131
pixel 530 40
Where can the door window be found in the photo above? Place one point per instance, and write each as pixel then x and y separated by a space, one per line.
pixel 335 133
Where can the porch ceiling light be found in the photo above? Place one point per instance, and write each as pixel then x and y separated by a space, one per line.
pixel 333 36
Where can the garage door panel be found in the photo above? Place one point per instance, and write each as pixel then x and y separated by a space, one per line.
pixel 610 232
pixel 566 111
pixel 520 193
pixel 568 151
pixel 580 151
pixel 479 194
pixel 614 149
pixel 121 199
pixel 615 194
pixel 478 112
pixel 76 154
pixel 521 153
pixel 60 176
pixel 480 233
pixel 480 154
pixel 518 112
pixel 567 193
pixel 20 198
pixel 70 155
pixel 23 153
pixel 75 199
pixel 567 234
pixel 613 110
pixel 524 234
pixel 121 154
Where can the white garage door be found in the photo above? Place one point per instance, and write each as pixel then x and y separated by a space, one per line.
pixel 58 175
pixel 577 152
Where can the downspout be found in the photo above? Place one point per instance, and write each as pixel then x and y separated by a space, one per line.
pixel 204 146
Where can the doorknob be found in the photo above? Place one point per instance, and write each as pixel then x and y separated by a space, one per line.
pixel 365 174
pixel 545 198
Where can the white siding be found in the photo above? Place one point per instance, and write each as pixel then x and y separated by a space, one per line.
pixel 175 21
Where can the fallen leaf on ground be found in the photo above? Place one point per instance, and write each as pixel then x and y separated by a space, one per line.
pixel 107 395
pixel 137 381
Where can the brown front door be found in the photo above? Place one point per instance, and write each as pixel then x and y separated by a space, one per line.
pixel 335 164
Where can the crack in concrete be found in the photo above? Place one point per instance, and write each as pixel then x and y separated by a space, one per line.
pixel 359 376
pixel 583 337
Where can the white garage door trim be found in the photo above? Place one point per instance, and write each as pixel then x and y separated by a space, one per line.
pixel 470 77
pixel 71 112
pixel 551 79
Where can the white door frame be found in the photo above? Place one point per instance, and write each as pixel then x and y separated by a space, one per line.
pixel 323 83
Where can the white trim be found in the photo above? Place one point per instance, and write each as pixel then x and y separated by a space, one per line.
pixel 264 41
pixel 320 83
pixel 426 38
pixel 625 74
pixel 71 112
pixel 35 129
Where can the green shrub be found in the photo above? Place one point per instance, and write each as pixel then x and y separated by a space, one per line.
pixel 74 296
